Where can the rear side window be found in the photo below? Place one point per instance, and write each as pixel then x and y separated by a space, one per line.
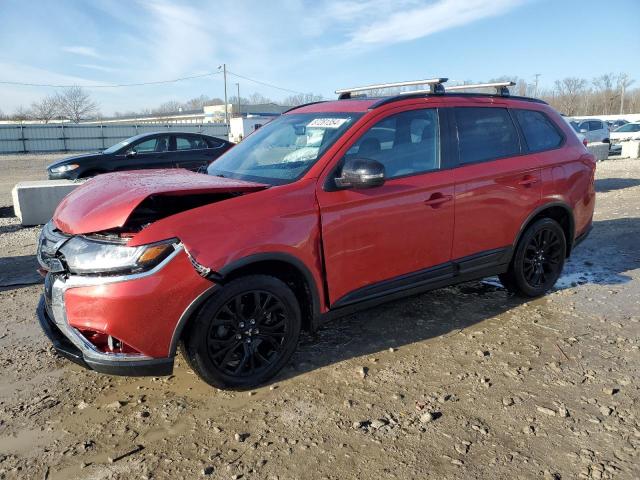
pixel 485 134
pixel 539 133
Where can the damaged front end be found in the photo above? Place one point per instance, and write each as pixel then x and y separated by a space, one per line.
pixel 111 304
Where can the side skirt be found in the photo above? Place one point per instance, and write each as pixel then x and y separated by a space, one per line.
pixel 473 267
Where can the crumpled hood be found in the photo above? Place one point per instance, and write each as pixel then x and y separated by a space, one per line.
pixel 106 201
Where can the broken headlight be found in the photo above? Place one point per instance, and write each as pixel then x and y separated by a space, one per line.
pixel 84 256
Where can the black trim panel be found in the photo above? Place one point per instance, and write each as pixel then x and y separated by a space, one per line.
pixel 479 265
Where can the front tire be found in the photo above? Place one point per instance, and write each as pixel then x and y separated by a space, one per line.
pixel 245 334
pixel 538 259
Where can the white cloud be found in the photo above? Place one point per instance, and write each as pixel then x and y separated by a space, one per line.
pixel 99 68
pixel 415 22
pixel 81 50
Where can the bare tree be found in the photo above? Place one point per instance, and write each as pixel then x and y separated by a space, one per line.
pixel 568 93
pixel 76 104
pixel 171 106
pixel 21 114
pixel 301 98
pixel 46 109
pixel 258 98
pixel 196 103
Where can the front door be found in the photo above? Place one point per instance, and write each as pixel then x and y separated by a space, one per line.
pixel 147 153
pixel 384 238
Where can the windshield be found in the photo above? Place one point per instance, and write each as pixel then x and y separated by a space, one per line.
pixel 284 149
pixel 117 146
pixel 629 127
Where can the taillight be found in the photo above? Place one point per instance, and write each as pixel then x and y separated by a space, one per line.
pixel 584 142
pixel 106 343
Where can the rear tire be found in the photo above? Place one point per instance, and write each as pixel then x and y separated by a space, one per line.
pixel 538 259
pixel 245 334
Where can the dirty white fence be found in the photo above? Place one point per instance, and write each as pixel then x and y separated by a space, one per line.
pixel 64 137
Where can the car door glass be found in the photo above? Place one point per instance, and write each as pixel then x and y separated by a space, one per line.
pixel 187 143
pixel 157 144
pixel 539 133
pixel 485 134
pixel 406 143
pixel 595 125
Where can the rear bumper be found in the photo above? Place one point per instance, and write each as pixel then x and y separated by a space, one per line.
pixel 81 356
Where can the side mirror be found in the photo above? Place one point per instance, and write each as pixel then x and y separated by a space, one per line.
pixel 583 130
pixel 361 173
pixel 131 153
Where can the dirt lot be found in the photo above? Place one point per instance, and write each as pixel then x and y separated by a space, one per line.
pixel 463 382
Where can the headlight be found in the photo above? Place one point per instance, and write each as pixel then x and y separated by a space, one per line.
pixel 84 256
pixel 65 168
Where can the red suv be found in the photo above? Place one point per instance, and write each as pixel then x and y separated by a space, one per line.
pixel 334 206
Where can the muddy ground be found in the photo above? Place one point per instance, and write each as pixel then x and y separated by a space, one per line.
pixel 462 382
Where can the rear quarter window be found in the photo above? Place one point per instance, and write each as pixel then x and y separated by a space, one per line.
pixel 539 132
pixel 485 133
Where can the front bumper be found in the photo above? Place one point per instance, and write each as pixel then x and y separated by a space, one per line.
pixel 142 310
pixel 83 356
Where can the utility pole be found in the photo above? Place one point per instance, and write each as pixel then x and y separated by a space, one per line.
pixel 226 104
pixel 624 84
pixel 239 112
pixel 537 75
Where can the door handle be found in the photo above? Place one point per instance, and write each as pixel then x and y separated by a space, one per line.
pixel 528 181
pixel 437 199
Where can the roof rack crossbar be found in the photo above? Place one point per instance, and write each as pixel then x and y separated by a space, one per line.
pixel 435 84
pixel 502 88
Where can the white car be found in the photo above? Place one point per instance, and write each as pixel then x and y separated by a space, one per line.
pixel 594 130
pixel 630 131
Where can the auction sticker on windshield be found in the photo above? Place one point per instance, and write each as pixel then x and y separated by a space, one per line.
pixel 327 122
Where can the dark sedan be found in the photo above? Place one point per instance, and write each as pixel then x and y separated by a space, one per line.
pixel 192 151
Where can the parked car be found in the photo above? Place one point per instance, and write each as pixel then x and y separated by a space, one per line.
pixel 613 124
pixel 576 128
pixel 192 151
pixel 629 131
pixel 594 130
pixel 400 195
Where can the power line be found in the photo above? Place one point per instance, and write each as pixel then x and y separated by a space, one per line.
pixel 24 84
pixel 264 83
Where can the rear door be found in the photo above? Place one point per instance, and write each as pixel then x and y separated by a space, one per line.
pixel 190 151
pixel 385 238
pixel 496 185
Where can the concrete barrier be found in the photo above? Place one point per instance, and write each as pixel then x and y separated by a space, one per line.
pixel 599 150
pixel 35 202
pixel 630 149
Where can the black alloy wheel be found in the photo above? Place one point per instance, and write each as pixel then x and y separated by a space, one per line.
pixel 538 260
pixel 245 333
pixel 248 333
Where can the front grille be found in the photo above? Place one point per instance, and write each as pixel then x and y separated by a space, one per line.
pixel 49 243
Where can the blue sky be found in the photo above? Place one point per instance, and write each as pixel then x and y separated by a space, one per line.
pixel 309 46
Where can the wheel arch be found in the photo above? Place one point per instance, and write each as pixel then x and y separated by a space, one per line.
pixel 283 266
pixel 558 211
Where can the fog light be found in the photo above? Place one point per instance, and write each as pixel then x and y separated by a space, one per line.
pixel 106 343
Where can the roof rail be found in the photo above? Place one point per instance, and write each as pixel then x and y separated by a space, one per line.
pixel 434 83
pixel 502 88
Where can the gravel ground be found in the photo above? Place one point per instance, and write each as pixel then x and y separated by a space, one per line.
pixel 462 382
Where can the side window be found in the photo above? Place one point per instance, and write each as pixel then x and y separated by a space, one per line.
pixel 213 143
pixel 184 142
pixel 539 132
pixel 595 125
pixel 406 143
pixel 485 133
pixel 157 144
